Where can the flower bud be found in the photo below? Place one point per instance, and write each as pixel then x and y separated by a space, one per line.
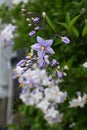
pixel 44 14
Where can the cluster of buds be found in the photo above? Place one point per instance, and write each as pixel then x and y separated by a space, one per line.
pixel 33 21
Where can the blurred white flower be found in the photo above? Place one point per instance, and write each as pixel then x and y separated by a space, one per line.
pixel 53 116
pixel 43 105
pixel 18 1
pixel 39 91
pixel 85 65
pixel 79 101
pixel 7 35
pixel 55 95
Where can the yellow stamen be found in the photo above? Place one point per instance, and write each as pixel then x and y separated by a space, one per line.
pixel 65 99
pixel 17 75
pixel 30 84
pixel 29 76
pixel 30 54
pixel 42 48
pixel 86 101
pixel 14 69
pixel 21 85
pixel 75 105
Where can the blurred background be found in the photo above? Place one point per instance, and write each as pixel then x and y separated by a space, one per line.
pixel 70 19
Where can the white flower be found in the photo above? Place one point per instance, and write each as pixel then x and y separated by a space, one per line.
pixel 53 116
pixel 18 1
pixel 44 14
pixel 43 105
pixel 7 34
pixel 51 113
pixel 66 67
pixel 46 99
pixel 37 96
pixel 27 99
pixel 19 70
pixel 72 124
pixel 79 101
pixel 85 65
pixel 53 94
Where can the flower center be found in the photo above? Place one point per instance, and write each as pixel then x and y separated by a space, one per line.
pixel 21 85
pixel 42 48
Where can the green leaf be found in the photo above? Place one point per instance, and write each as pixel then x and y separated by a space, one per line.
pixel 12 126
pixel 58 42
pixel 73 21
pixel 50 23
pixel 63 24
pixel 75 31
pixel 67 18
pixel 84 32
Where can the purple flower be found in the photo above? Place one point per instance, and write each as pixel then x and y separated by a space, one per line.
pixel 37 28
pixel 32 33
pixel 54 63
pixel 42 64
pixel 50 78
pixel 43 46
pixel 34 92
pixel 41 89
pixel 23 91
pixel 36 20
pixel 60 74
pixel 65 40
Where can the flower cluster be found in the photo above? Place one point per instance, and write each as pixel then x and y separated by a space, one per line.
pixel 33 21
pixel 39 75
pixel 41 91
pixel 7 35
pixel 39 86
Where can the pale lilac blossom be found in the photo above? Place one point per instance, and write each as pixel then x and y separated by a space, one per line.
pixel 43 47
pixel 7 35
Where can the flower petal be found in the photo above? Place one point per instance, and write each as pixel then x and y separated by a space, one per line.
pixel 36 47
pixel 41 54
pixel 49 50
pixel 40 40
pixel 49 42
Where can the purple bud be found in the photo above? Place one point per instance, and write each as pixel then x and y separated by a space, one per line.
pixel 14 76
pixel 41 89
pixel 37 28
pixel 36 20
pixel 21 62
pixel 32 33
pixel 28 57
pixel 53 63
pixel 60 74
pixel 34 92
pixel 23 91
pixel 42 64
pixel 65 40
pixel 50 78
